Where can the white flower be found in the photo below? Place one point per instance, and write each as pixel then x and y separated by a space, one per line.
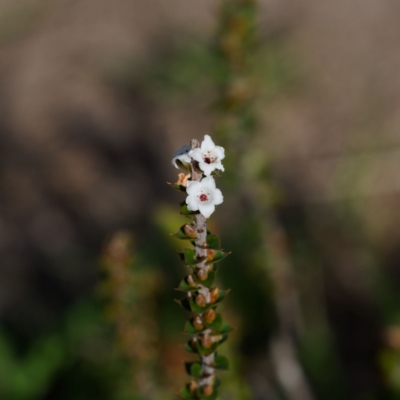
pixel 182 156
pixel 209 156
pixel 203 196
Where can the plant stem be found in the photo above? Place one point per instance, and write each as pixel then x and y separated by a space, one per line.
pixel 207 362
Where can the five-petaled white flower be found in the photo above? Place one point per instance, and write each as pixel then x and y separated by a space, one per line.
pixel 208 155
pixel 182 156
pixel 203 196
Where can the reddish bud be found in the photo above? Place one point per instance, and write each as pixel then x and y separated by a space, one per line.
pixel 210 315
pixel 190 230
pixel 190 281
pixel 208 390
pixel 210 255
pixel 201 300
pixel 202 274
pixel 217 338
pixel 206 341
pixel 193 386
pixel 214 293
pixel 198 323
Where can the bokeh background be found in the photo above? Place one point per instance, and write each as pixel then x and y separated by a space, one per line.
pixel 96 96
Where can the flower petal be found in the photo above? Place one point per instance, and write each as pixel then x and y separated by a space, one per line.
pixel 217 197
pixel 192 203
pixel 218 165
pixel 196 154
pixel 193 187
pixel 218 153
pixel 208 182
pixel 206 168
pixel 207 144
pixel 206 209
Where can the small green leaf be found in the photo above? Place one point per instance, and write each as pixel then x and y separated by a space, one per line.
pixel 217 382
pixel 178 188
pixel 223 339
pixel 186 211
pixel 184 303
pixel 221 362
pixel 185 287
pixel 213 242
pixel 221 295
pixel 208 282
pixel 190 257
pixel 215 256
pixel 190 347
pixel 181 234
pixel 186 232
pixel 185 393
pixel 216 324
pixel 194 369
pixel 183 166
pixel 226 328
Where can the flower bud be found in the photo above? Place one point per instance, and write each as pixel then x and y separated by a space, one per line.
pixel 201 300
pixel 208 390
pixel 198 323
pixel 210 255
pixel 190 281
pixel 217 338
pixel 190 230
pixel 214 293
pixel 210 315
pixel 193 343
pixel 202 274
pixel 206 341
pixel 193 386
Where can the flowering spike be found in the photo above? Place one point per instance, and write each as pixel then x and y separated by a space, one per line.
pixel 207 327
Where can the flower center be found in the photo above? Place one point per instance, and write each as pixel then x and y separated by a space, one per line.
pixel 207 160
pixel 203 197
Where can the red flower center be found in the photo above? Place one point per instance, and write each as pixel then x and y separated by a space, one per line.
pixel 203 197
pixel 207 160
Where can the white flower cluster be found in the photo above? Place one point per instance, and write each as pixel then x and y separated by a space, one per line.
pixel 203 195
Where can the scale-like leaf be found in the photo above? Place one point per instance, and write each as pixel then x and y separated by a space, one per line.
pixel 186 211
pixel 183 166
pixel 190 257
pixel 215 256
pixel 185 303
pixel 185 287
pixel 225 328
pixel 177 187
pixel 213 242
pixel 185 393
pixel 223 339
pixel 181 234
pixel 194 369
pixel 221 362
pixel 189 348
pixel 221 295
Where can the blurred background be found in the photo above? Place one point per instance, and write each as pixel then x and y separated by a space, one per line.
pixel 96 97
